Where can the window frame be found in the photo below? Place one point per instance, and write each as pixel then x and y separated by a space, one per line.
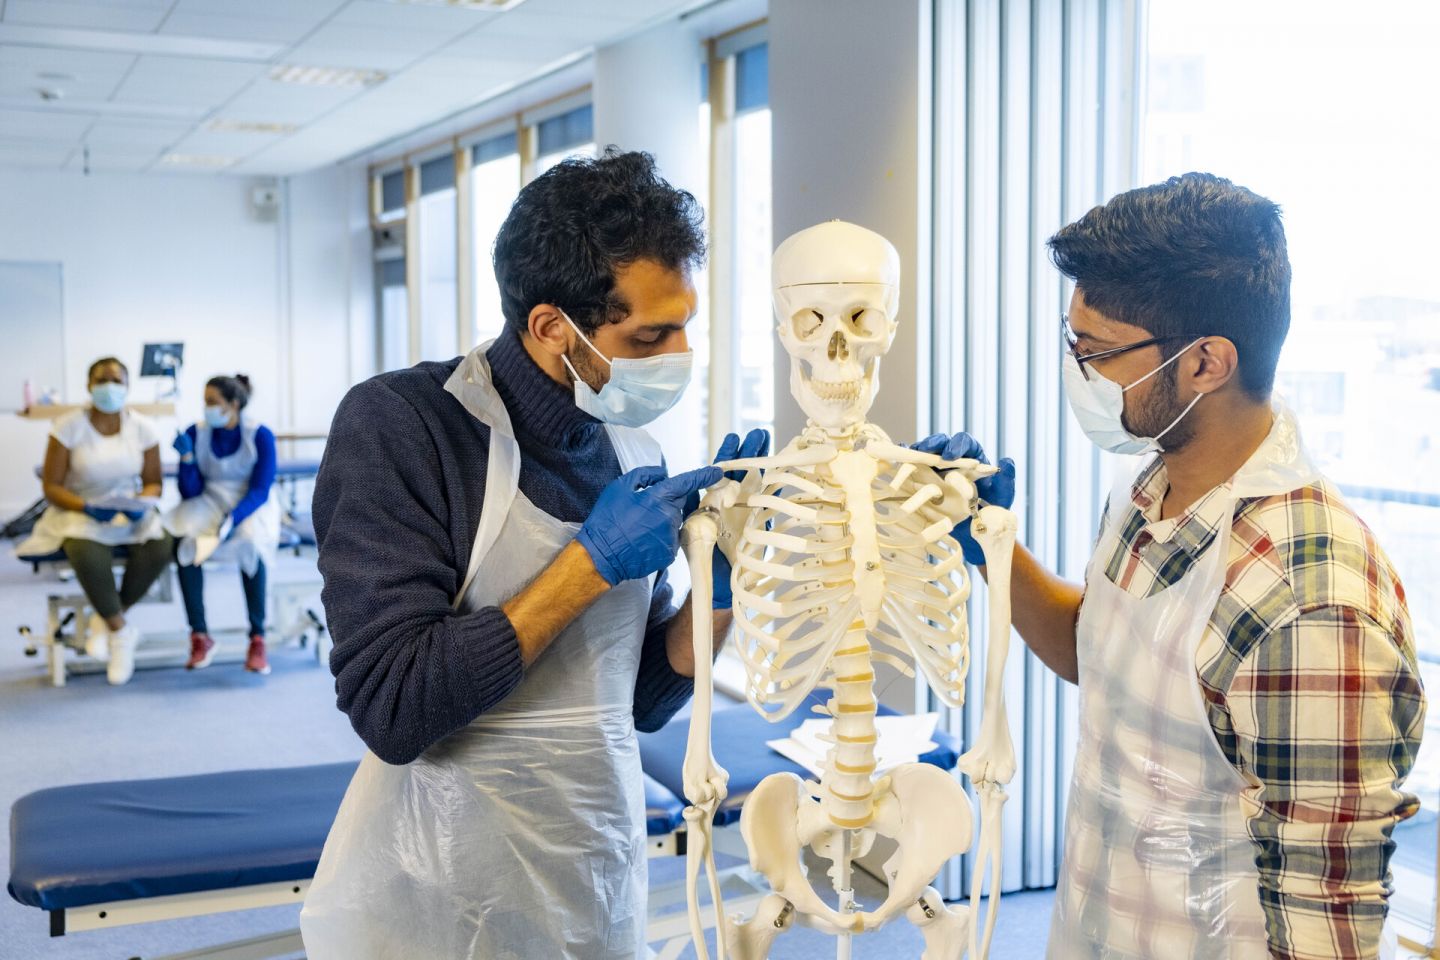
pixel 406 222
pixel 721 53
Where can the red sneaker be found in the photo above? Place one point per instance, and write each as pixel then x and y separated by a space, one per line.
pixel 255 660
pixel 202 651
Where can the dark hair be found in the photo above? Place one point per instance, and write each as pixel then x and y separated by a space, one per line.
pixel 573 226
pixel 1194 256
pixel 234 389
pixel 90 375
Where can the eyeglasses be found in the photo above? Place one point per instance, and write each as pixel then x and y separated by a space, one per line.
pixel 1082 359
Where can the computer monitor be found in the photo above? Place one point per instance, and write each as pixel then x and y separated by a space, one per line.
pixel 161 359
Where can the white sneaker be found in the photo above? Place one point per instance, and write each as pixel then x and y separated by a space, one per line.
pixel 122 655
pixel 97 637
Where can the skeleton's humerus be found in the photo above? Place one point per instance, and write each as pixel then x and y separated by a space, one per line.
pixel 842 557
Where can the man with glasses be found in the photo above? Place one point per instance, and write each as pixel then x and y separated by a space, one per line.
pixel 1250 701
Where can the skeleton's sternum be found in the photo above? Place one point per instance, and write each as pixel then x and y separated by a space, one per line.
pixel 847 785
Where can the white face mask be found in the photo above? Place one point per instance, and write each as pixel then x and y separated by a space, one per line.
pixel 216 417
pixel 638 391
pixel 109 397
pixel 1098 405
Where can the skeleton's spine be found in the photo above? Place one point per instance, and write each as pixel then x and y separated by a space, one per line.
pixel 848 783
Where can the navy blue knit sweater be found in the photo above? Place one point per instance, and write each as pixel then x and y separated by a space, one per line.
pixel 397 502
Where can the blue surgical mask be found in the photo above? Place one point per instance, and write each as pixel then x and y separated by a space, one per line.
pixel 216 417
pixel 109 397
pixel 1098 405
pixel 638 391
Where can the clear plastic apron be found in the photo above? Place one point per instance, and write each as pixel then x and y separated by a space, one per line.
pixel 227 480
pixel 522 835
pixel 1158 862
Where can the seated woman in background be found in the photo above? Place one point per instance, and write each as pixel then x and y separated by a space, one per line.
pixel 227 480
pixel 105 454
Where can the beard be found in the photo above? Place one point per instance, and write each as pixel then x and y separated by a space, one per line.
pixel 587 365
pixel 1157 409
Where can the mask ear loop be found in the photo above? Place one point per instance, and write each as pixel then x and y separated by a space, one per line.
pixel 1137 382
pixel 1191 406
pixel 591 345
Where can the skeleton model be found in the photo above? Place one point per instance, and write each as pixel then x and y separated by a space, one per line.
pixel 842 557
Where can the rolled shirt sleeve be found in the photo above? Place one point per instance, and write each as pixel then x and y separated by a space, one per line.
pixel 1328 713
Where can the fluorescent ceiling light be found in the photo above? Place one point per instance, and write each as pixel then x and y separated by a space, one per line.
pixel 250 126
pixel 326 76
pixel 197 160
pixel 108 108
pixel 118 41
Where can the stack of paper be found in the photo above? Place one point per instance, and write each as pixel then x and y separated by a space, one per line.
pixel 900 739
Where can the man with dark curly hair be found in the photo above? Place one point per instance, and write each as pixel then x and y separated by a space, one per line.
pixel 494 532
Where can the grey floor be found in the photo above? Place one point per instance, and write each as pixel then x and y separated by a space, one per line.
pixel 169 722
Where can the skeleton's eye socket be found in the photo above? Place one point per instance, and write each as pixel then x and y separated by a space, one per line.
pixel 806 323
pixel 865 322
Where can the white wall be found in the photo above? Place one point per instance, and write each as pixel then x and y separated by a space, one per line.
pixel 151 257
pixel 853 143
pixel 647 97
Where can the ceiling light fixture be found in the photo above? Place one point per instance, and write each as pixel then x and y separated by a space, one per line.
pixel 197 160
pixel 250 126
pixel 325 76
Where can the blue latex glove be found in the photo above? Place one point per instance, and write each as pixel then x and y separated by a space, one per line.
pixel 99 514
pixel 997 490
pixel 757 444
pixel 134 516
pixel 184 445
pixel 634 530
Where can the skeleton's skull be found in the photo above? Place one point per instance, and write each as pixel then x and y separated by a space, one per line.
pixel 836 290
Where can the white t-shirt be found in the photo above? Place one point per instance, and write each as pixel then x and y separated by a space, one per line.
pixel 99 465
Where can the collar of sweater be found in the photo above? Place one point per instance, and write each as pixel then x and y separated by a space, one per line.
pixel 538 406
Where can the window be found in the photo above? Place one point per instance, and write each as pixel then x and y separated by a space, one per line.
pixel 392 196
pixel 437 258
pixel 568 135
pixel 742 395
pixel 494 182
pixel 1251 92
pixel 1031 121
pixel 394 313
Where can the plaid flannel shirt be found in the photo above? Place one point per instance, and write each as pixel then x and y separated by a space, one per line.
pixel 1309 675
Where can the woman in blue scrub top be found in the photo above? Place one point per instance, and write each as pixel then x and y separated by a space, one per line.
pixel 229 512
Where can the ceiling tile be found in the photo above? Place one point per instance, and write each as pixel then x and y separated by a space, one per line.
pixel 187 81
pixel 110 161
pixel 43 127
pixel 270 102
pixel 19 154
pixel 79 74
pixel 572 29
pixel 412 16
pixel 211 143
pixel 224 27
pixel 139 16
pixel 379 48
pixel 120 133
pixel 313 10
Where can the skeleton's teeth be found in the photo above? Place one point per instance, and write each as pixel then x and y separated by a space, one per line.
pixel 846 392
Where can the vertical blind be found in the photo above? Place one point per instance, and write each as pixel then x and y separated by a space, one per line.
pixel 1034 125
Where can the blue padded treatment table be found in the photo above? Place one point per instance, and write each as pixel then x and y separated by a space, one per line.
pixel 80 846
pixel 97 842
pixel 101 842
pixel 739 735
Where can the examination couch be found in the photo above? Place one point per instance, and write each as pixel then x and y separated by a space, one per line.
pixel 103 855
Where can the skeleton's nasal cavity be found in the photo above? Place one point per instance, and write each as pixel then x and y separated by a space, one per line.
pixel 839 349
